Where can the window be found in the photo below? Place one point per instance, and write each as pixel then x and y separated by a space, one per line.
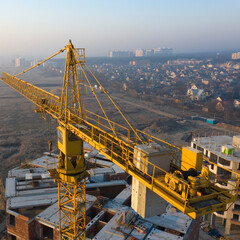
pixel 236 207
pixel 224 161
pixel 235 217
pixel 212 166
pixel 47 232
pixel 213 158
pixel 223 176
pixel 12 237
pixel 200 149
pixel 12 220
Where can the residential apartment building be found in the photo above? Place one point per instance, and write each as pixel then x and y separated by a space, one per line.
pixel 224 151
pixel 236 55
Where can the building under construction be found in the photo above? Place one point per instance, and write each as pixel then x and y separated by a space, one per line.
pixel 224 153
pixel 69 197
pixel 32 206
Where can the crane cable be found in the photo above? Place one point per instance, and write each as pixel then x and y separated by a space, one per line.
pixel 99 103
pixel 62 50
pixel 104 90
pixel 129 116
pixel 94 93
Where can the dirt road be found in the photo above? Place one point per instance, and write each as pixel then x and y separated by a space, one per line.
pixel 144 106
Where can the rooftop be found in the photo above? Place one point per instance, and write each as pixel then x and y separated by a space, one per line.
pixel 214 144
pixel 31 191
pixel 50 215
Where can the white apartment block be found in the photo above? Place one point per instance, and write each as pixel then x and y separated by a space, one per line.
pixel 236 55
pixel 225 152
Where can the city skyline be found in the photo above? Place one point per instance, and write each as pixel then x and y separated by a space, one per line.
pixel 40 28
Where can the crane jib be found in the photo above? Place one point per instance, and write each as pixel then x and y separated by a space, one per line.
pixel 191 191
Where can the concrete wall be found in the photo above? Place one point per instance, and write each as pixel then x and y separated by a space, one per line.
pixel 144 201
pixel 228 215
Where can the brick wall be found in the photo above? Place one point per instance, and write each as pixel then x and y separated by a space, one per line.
pixel 194 232
pixel 27 230
pixel 118 176
pixel 21 227
pixel 55 234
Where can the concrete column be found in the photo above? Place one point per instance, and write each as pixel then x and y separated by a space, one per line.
pixel 144 201
pixel 206 218
pixel 228 226
pixel 229 216
pixel 234 166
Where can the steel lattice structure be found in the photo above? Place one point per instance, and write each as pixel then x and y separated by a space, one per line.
pixel 116 142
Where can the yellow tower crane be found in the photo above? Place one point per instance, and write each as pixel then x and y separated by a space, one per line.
pixel 191 190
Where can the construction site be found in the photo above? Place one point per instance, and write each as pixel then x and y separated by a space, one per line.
pixel 102 178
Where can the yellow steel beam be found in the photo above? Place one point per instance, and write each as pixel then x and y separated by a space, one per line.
pixel 100 142
pixel 62 50
pixel 72 210
pixel 151 182
pixel 121 152
pixel 115 149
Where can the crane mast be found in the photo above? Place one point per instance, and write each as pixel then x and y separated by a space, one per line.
pixel 118 143
pixel 71 169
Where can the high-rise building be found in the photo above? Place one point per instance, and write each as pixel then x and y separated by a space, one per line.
pixel 115 54
pixel 154 52
pixel 110 54
pixel 140 53
pixel 236 55
pixel 162 51
pixel 149 52
pixel 19 62
pixel 34 62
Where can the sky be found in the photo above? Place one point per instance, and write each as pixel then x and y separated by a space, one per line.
pixel 39 28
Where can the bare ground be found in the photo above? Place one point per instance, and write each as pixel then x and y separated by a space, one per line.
pixel 24 134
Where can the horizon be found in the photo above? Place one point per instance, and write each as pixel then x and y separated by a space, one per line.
pixel 7 60
pixel 38 29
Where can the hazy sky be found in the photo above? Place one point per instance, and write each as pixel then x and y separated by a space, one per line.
pixel 41 27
